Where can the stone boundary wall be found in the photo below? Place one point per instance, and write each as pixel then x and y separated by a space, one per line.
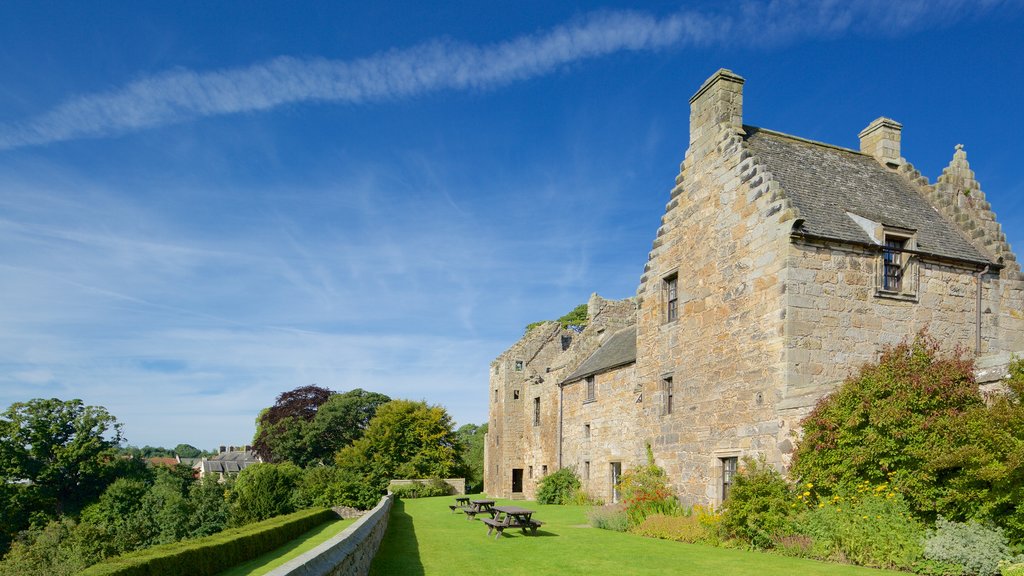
pixel 458 484
pixel 347 554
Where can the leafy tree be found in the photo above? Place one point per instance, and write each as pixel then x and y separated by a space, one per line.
pixel 342 419
pixel 404 440
pixel 280 433
pixel 471 438
pixel 59 452
pixel 187 451
pixel 309 424
pixel 209 506
pixel 265 490
pixel 576 320
pixel 49 550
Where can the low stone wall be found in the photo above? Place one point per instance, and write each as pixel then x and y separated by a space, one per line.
pixel 458 484
pixel 347 554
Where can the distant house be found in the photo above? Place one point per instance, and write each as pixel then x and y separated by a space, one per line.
pixel 229 460
pixel 168 461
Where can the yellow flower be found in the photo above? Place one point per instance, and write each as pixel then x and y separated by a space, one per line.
pixel 807 493
pixel 810 485
pixel 821 504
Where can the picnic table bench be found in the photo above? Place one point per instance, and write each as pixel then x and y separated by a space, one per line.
pixel 460 503
pixel 511 517
pixel 479 507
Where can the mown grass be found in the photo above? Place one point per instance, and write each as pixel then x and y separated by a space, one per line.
pixel 300 545
pixel 425 538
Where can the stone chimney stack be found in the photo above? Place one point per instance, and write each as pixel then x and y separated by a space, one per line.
pixel 717 106
pixel 881 139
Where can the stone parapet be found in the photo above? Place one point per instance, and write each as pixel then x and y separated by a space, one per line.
pixel 350 553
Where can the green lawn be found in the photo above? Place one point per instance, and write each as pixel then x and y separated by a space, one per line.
pixel 304 543
pixel 424 537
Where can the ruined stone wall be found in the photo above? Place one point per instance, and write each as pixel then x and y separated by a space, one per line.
pixel 532 369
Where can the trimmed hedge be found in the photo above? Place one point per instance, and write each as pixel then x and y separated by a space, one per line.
pixel 213 554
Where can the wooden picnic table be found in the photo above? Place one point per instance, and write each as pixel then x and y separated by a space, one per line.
pixel 479 507
pixel 460 503
pixel 511 517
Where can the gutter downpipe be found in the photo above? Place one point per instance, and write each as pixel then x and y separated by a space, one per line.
pixel 561 390
pixel 977 312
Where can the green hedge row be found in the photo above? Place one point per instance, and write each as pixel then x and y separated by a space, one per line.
pixel 213 554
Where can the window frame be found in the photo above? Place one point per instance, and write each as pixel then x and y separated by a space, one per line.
pixel 591 390
pixel 729 466
pixel 536 410
pixel 897 273
pixel 670 285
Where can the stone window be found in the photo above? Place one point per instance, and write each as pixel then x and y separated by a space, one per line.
pixel 586 430
pixel 728 471
pixel 519 365
pixel 566 342
pixel 530 469
pixel 515 394
pixel 536 411
pixel 897 268
pixel 667 384
pixel 671 298
pixel 586 469
pixel 544 470
pixel 591 390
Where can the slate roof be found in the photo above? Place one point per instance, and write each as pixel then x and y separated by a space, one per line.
pixel 619 350
pixel 228 462
pixel 825 182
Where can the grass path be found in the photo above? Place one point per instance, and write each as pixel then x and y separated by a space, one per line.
pixel 425 538
pixel 300 545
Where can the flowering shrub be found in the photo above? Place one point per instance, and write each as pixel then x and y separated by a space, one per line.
pixel 645 492
pixel 872 526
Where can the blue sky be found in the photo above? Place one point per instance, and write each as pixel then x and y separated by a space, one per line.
pixel 203 204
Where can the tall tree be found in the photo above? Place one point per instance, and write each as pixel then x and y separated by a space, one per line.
pixel 280 429
pixel 309 424
pixel 471 437
pixel 404 440
pixel 342 419
pixel 60 453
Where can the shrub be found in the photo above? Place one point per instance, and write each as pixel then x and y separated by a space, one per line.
pixel 759 504
pixel 645 492
pixel 559 488
pixel 213 554
pixel 685 528
pixel 871 527
pixel 612 517
pixel 976 547
pixel 917 420
pixel 264 491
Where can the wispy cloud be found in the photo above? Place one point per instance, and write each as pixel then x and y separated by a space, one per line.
pixel 182 95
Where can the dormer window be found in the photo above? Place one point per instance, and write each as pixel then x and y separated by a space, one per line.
pixel 897 270
pixel 892 263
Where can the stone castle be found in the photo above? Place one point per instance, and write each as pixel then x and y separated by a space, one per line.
pixel 781 265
